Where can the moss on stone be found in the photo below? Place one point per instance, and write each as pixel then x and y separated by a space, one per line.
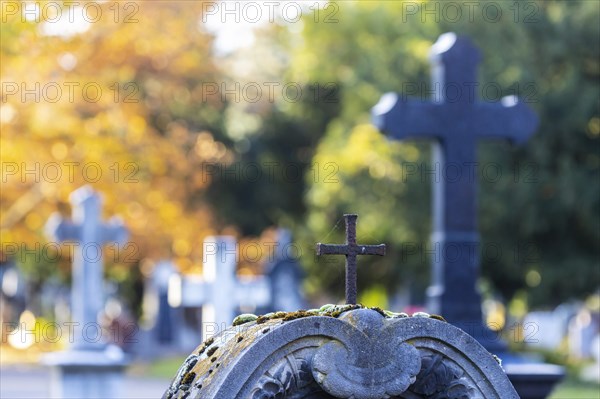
pixel 328 310
pixel 497 359
pixel 338 310
pixel 211 351
pixel 244 318
pixel 437 317
pixel 297 315
pixel 380 311
pixel 205 345
pixel 189 378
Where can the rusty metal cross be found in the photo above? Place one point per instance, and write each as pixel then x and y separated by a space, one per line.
pixel 351 250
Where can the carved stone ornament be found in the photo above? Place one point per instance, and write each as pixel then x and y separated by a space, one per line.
pixel 374 365
pixel 358 354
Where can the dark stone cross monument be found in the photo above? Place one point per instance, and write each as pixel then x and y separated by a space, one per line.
pixel 285 276
pixel 456 121
pixel 456 125
pixel 351 250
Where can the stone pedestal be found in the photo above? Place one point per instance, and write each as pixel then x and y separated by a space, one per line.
pixel 82 373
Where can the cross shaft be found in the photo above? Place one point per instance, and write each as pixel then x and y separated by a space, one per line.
pixel 351 250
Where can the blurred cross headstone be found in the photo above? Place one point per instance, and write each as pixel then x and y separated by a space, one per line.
pixel 165 327
pixel 285 276
pixel 90 367
pixel 220 292
pixel 582 329
pixel 455 121
pixel 161 323
pixel 554 325
pixel 13 298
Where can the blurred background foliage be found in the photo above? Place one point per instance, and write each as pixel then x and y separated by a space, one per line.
pixel 176 158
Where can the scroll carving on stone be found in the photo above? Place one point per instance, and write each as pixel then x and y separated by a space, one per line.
pixel 441 378
pixel 379 370
pixel 432 375
pixel 290 378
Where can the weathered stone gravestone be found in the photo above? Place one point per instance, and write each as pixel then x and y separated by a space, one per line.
pixel 455 121
pixel 341 352
pixel 582 328
pixel 346 352
pixel 554 325
pixel 89 368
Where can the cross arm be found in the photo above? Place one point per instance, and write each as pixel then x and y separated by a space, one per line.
pixel 189 291
pixel 510 119
pixel 113 231
pixel 371 249
pixel 401 118
pixel 59 229
pixel 332 249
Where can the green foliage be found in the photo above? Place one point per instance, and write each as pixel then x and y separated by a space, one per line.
pixel 268 176
pixel 543 210
pixel 576 390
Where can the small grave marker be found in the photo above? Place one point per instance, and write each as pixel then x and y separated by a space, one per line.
pixel 351 250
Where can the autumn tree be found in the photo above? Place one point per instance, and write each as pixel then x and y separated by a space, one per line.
pixel 114 99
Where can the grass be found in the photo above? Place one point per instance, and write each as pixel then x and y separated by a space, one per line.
pixel 165 368
pixel 576 390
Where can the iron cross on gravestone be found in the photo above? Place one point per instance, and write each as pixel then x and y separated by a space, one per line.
pixel 87 229
pixel 351 249
pixel 455 121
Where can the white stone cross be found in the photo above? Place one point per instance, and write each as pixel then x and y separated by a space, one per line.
pixel 87 229
pixel 219 291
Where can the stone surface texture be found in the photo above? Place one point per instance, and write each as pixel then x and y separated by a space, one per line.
pixel 341 352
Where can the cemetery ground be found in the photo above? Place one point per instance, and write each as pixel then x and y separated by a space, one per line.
pixel 18 370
